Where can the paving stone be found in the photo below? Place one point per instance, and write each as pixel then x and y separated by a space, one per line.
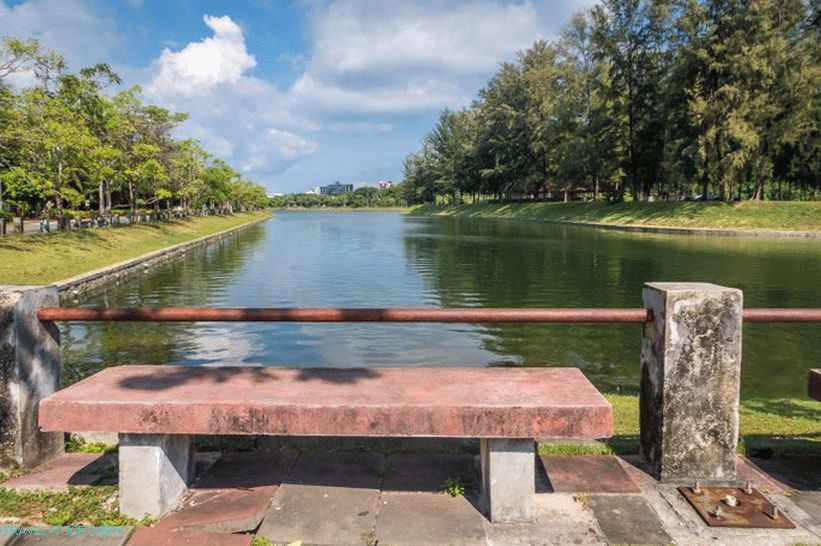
pixel 233 495
pixel 77 469
pixel 247 470
pixel 338 469
pixel 321 515
pixel 429 471
pixel 801 472
pixel 155 536
pixel 587 474
pixel 428 518
pixel 117 537
pixel 627 519
pixel 558 520
pixel 228 511
pixel 810 502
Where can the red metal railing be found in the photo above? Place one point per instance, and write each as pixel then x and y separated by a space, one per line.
pixel 399 314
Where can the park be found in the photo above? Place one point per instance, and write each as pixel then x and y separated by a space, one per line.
pixel 237 308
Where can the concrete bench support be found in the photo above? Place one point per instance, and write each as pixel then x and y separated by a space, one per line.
pixel 155 470
pixel 690 379
pixel 30 372
pixel 508 476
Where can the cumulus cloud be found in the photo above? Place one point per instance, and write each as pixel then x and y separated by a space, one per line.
pixel 199 66
pixel 396 57
pixel 71 28
pixel 274 149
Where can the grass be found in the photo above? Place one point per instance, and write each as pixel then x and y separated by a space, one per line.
pixel 766 426
pixel 76 444
pixel 403 210
pixel 47 258
pixel 77 506
pixel 746 215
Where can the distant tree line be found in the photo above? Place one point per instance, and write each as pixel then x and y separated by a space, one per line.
pixel 393 196
pixel 68 147
pixel 643 99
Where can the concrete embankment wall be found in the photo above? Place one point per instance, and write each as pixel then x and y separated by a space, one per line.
pixel 91 281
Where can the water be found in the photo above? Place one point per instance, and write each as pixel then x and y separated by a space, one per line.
pixel 379 259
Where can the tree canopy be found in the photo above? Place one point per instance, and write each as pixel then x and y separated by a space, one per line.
pixel 69 144
pixel 643 99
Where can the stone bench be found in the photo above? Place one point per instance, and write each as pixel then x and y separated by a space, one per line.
pixel 814 384
pixel 156 410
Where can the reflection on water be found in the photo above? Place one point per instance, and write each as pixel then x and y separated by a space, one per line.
pixel 384 259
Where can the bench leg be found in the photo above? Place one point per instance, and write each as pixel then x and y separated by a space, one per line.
pixel 155 470
pixel 509 478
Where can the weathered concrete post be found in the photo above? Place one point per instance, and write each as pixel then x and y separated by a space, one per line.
pixel 690 377
pixel 155 470
pixel 508 479
pixel 29 371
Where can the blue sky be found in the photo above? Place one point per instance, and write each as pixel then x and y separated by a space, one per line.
pixel 297 94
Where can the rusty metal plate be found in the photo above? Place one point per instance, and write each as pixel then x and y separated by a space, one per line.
pixel 752 509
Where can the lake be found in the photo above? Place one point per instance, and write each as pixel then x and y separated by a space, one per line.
pixel 384 259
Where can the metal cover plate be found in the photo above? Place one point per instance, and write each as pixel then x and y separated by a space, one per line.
pixel 753 509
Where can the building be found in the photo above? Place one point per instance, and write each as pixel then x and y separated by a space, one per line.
pixel 335 189
pixel 385 184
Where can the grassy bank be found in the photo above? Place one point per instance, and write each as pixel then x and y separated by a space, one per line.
pixel 765 426
pixel 46 258
pixel 402 210
pixel 747 215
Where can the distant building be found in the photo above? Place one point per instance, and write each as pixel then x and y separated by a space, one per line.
pixel 385 184
pixel 313 191
pixel 335 189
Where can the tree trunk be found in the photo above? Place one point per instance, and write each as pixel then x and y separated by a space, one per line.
pixel 101 197
pixel 58 199
pixel 132 202
pixel 108 198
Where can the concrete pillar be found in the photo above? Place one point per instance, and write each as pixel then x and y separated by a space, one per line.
pixel 29 372
pixel 155 470
pixel 690 372
pixel 509 479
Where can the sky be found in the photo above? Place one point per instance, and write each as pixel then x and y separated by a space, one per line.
pixel 297 94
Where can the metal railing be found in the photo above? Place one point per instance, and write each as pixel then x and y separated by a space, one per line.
pixel 396 314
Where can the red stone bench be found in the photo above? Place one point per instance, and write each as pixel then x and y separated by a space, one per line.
pixel 157 409
pixel 814 384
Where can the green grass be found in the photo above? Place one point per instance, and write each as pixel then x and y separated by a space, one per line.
pixel 96 505
pixel 46 258
pixel 747 215
pixel 766 426
pixel 76 444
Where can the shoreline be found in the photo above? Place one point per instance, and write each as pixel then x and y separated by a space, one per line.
pixel 91 281
pixel 495 212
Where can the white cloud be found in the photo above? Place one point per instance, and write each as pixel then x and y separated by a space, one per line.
pixel 395 57
pixel 69 27
pixel 274 150
pixel 200 66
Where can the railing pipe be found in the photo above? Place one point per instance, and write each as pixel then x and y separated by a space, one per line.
pixel 319 314
pixel 417 314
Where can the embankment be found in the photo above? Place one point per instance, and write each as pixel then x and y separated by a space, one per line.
pixel 751 218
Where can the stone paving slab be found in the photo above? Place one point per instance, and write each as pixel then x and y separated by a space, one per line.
pixel 558 520
pixel 247 470
pixel 321 515
pixel 627 519
pixel 428 471
pixel 233 494
pixel 117 539
pixel 801 472
pixel 587 474
pixel 338 469
pixel 156 536
pixel 810 502
pixel 76 469
pixel 432 519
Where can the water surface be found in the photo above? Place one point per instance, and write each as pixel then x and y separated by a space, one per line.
pixel 382 259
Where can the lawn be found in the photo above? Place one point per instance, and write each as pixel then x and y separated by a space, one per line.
pixel 50 257
pixel 746 215
pixel 766 426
